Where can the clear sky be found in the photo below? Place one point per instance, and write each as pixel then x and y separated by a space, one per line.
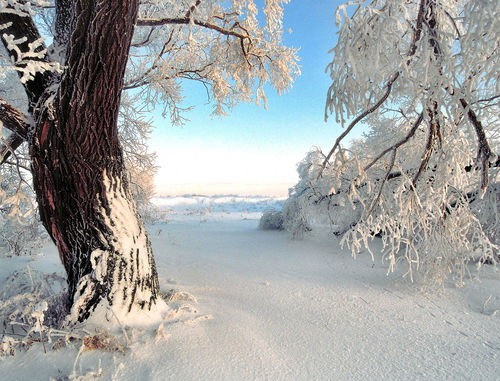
pixel 255 150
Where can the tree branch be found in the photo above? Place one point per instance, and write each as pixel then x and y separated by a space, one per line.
pixel 487 100
pixel 188 20
pixel 9 146
pixel 242 34
pixel 142 79
pixel 484 150
pixel 386 178
pixel 398 144
pixel 145 41
pixel 434 133
pixel 357 120
pixel 417 33
pixel 14 120
pixel 192 9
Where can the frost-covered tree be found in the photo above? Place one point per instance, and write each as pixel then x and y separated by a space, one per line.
pixel 422 75
pixel 98 50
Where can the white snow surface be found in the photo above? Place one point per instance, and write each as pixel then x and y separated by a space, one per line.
pixel 269 308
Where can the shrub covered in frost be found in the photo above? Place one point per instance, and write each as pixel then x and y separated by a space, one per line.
pixel 271 219
pixel 21 236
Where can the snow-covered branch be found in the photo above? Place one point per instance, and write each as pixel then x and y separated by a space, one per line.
pixel 223 45
pixel 394 147
pixel 485 154
pixel 358 119
pixel 242 34
pixel 27 49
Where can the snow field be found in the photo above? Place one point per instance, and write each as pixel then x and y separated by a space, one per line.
pixel 259 306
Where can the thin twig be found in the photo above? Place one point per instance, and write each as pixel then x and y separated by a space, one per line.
pixel 433 135
pixel 357 120
pixel 400 143
pixel 488 99
pixel 192 9
pixel 388 173
pixel 146 40
pixel 9 146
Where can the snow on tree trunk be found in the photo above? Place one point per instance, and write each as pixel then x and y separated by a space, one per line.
pixel 123 271
pixel 79 174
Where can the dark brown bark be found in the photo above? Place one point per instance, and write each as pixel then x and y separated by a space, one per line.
pixel 78 167
pixel 15 121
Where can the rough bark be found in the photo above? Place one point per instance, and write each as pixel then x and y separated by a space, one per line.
pixel 78 170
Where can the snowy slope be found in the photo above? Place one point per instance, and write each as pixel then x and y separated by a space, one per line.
pixel 269 308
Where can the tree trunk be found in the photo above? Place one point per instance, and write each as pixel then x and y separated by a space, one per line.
pixel 78 170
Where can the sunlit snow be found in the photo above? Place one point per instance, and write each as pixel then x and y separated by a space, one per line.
pixel 255 305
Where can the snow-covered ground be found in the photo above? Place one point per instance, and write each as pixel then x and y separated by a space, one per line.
pixel 269 308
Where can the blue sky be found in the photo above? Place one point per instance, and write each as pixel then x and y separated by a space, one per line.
pixel 255 150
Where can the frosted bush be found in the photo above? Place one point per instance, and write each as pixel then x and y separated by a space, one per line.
pixel 8 346
pixel 21 232
pixel 271 219
pixel 434 243
pixel 21 237
pixel 32 308
pixel 30 297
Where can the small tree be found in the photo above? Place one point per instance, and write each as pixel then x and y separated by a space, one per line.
pixel 74 90
pixel 422 75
